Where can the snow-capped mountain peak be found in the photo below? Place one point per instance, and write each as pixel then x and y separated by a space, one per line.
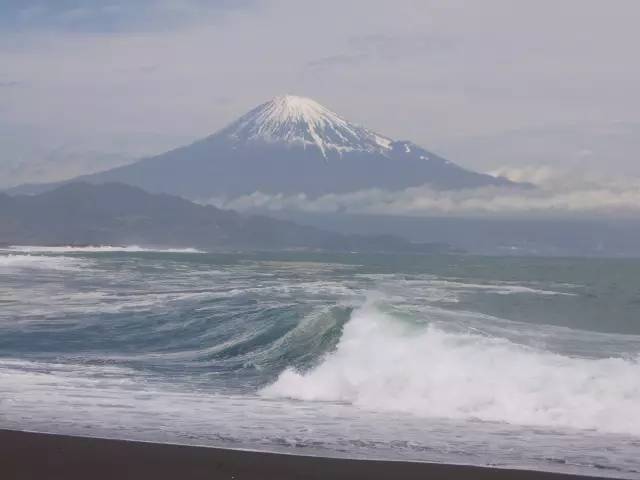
pixel 301 121
pixel 292 145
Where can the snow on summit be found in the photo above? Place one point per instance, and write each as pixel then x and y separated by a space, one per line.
pixel 292 145
pixel 301 121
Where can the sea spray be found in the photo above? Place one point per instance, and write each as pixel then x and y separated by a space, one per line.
pixel 383 363
pixel 15 262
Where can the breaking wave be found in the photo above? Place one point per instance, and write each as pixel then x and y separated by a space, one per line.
pixel 13 262
pixel 386 363
pixel 98 248
pixel 447 364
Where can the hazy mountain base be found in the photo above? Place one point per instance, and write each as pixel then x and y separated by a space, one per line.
pixel 581 236
pixel 212 167
pixel 115 214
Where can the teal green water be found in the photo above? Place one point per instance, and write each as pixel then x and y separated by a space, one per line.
pixel 526 362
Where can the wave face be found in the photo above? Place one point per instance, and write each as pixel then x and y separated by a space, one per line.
pixel 383 363
pixel 458 359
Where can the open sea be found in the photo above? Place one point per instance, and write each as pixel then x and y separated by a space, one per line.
pixel 510 362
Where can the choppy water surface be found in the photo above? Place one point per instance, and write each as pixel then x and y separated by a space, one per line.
pixel 490 361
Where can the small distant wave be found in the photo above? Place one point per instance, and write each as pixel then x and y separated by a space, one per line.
pixel 383 363
pixel 446 289
pixel 99 248
pixel 13 262
pixel 499 288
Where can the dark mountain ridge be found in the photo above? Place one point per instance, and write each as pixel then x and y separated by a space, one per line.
pixel 117 214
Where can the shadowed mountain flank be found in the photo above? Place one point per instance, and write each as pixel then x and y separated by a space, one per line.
pixel 117 214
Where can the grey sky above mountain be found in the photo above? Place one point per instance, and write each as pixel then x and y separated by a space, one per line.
pixel 488 84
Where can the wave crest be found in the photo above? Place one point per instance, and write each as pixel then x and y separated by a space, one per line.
pixel 97 249
pixel 383 363
pixel 13 262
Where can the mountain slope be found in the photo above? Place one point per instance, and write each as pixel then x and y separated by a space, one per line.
pixel 116 214
pixel 292 145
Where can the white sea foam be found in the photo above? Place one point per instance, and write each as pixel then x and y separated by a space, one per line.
pixel 448 289
pixel 97 248
pixel 498 288
pixel 384 364
pixel 12 262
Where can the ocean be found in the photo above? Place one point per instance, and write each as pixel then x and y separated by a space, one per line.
pixel 501 361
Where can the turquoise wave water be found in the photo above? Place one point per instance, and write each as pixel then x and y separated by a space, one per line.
pixel 386 356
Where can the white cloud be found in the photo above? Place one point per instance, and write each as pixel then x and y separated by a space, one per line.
pixel 559 193
pixel 536 174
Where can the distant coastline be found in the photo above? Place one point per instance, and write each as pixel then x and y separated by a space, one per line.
pixel 82 214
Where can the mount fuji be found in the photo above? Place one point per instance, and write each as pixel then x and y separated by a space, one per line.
pixel 291 145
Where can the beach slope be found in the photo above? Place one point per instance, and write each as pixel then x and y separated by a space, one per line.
pixel 27 456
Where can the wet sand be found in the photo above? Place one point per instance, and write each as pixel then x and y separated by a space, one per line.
pixel 27 456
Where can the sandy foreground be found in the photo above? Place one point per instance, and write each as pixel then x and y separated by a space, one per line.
pixel 41 456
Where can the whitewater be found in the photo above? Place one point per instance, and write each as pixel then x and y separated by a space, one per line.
pixel 531 363
pixel 383 364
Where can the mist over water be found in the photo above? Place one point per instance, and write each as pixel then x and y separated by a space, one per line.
pixel 502 361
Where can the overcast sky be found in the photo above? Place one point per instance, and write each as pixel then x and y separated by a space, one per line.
pixel 488 84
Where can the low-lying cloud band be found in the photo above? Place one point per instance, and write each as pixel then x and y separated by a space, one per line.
pixel 557 193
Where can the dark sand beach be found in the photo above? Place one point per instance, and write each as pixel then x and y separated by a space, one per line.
pixel 27 456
